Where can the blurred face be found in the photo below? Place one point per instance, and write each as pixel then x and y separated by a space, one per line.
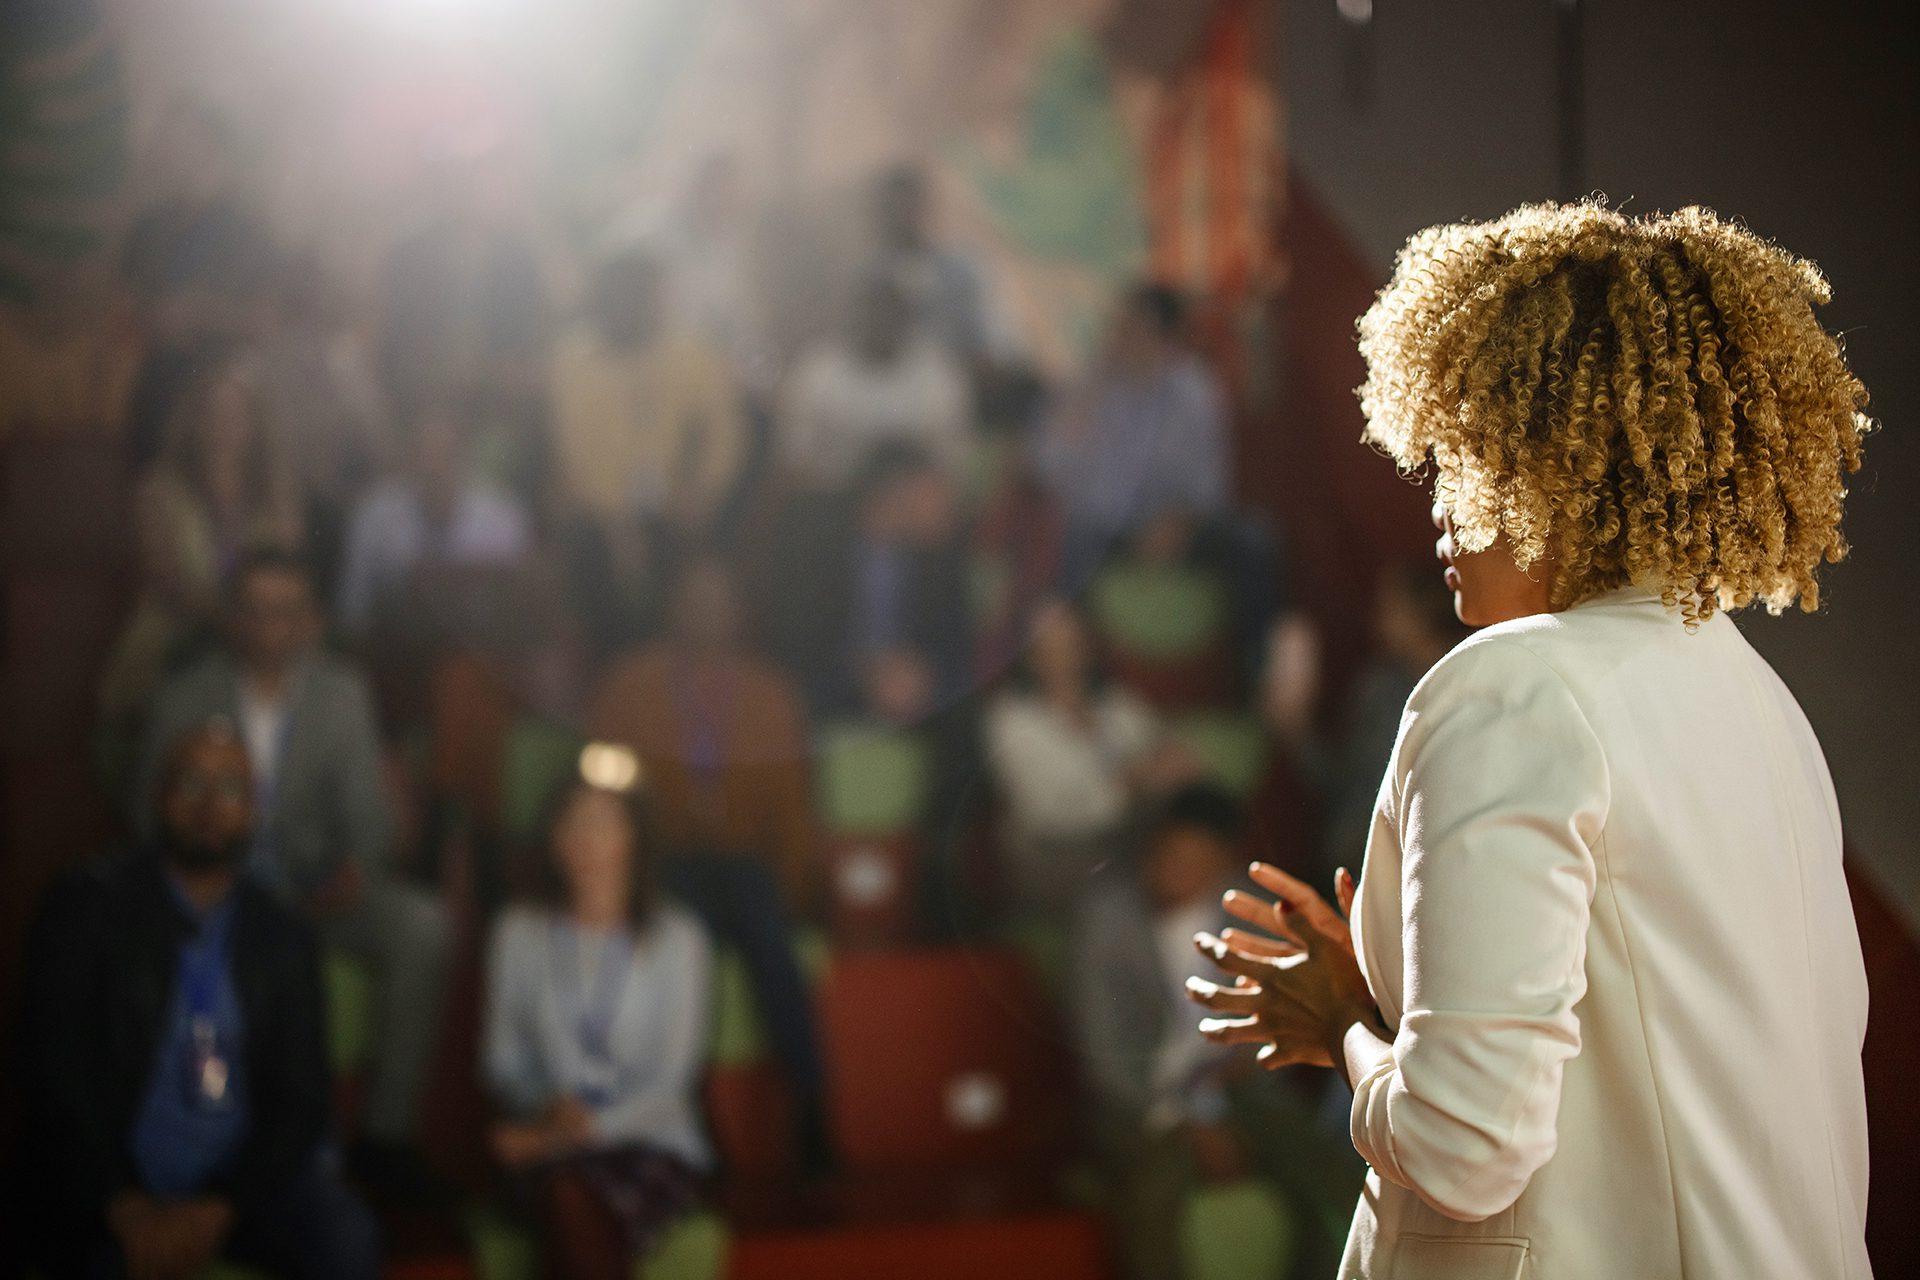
pixel 706 609
pixel 206 803
pixel 1061 653
pixel 593 844
pixel 1488 587
pixel 1186 865
pixel 274 618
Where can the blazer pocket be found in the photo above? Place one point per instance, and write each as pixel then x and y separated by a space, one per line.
pixel 1417 1257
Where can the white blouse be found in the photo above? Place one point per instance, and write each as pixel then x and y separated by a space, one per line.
pixel 1059 779
pixel 1603 910
pixel 545 981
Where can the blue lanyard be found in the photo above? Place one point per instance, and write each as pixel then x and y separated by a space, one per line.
pixel 204 964
pixel 598 1008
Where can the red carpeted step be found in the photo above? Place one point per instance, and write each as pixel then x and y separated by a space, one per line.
pixel 1060 1245
pixel 941 1057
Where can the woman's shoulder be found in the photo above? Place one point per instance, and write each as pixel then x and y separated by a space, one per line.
pixel 520 925
pixel 1507 662
pixel 675 930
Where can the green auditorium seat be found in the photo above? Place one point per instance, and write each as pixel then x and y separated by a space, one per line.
pixel 1159 612
pixel 1232 747
pixel 871 780
pixel 1237 1231
pixel 695 1248
pixel 536 756
pixel 349 1013
pixel 1046 945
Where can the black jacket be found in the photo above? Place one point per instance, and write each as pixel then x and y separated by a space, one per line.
pixel 100 968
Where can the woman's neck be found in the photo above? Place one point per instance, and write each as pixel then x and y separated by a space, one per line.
pixel 598 910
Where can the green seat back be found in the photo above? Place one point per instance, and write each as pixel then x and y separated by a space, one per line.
pixel 1231 746
pixel 349 990
pixel 1045 944
pixel 533 760
pixel 1237 1231
pixel 872 780
pixel 1159 612
pixel 694 1248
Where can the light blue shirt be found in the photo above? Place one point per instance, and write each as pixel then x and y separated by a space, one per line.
pixel 1135 447
pixel 630 1047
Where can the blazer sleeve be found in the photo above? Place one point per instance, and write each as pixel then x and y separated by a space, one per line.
pixel 365 815
pixel 1500 788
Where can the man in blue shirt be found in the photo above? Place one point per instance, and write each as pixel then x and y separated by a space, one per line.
pixel 175 1063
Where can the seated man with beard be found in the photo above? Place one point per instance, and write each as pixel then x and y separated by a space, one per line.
pixel 175 1071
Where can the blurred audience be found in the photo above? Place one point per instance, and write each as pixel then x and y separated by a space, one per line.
pixel 466 299
pixel 1070 754
pixel 1145 434
pixel 945 294
pixel 222 482
pixel 320 385
pixel 521 534
pixel 194 259
pixel 436 511
pixel 1413 627
pixel 175 1069
pixel 889 587
pixel 710 245
pixel 1171 1111
pixel 880 381
pixel 1160 1114
pixel 322 833
pixel 722 738
pixel 596 1032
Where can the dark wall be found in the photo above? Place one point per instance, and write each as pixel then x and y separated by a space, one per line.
pixel 1799 118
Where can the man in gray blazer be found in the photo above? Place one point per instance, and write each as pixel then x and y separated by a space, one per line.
pixel 325 827
pixel 1171 1111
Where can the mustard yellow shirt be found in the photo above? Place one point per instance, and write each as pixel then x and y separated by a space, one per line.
pixel 634 426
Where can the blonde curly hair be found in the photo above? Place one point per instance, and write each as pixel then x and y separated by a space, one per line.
pixel 1641 400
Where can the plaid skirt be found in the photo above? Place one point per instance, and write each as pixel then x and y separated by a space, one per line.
pixel 644 1188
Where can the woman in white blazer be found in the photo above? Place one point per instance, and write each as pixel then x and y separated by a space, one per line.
pixel 1601 1002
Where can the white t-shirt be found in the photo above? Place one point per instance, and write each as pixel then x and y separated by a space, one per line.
pixel 839 407
pixel 262 721
pixel 1059 779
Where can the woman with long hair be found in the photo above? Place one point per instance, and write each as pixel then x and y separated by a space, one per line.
pixel 596 1032
pixel 1598 993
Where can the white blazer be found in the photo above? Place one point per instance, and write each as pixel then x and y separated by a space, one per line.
pixel 1602 909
